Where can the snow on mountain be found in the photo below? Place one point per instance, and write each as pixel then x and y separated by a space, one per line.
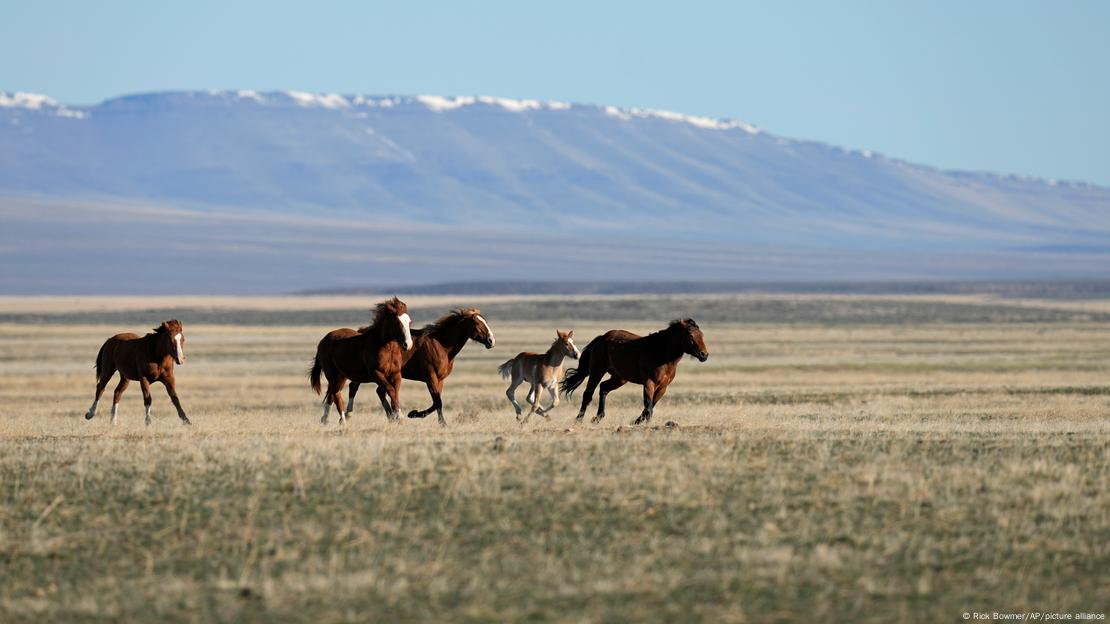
pixel 529 167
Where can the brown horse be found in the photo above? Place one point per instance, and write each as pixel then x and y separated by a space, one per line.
pixel 542 370
pixel 374 354
pixel 147 359
pixel 650 360
pixel 433 357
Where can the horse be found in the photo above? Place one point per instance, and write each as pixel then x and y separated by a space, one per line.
pixel 650 360
pixel 432 358
pixel 542 370
pixel 374 354
pixel 147 359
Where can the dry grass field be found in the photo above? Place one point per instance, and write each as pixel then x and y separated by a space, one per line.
pixel 911 462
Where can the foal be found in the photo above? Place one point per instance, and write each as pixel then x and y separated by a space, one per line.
pixel 542 370
pixel 146 360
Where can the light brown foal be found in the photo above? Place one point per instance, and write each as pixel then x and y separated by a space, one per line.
pixel 542 370
pixel 147 360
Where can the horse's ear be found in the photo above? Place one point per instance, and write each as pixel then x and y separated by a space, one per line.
pixel 558 334
pixel 570 334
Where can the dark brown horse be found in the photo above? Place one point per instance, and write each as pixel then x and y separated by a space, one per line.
pixel 432 359
pixel 374 354
pixel 650 360
pixel 147 359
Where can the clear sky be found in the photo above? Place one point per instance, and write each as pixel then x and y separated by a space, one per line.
pixel 999 85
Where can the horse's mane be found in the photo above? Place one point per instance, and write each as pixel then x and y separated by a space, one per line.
pixel 393 306
pixel 166 327
pixel 677 323
pixel 449 320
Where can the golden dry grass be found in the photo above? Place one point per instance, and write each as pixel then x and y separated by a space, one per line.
pixel 876 473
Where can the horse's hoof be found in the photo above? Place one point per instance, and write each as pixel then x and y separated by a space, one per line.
pixel 596 419
pixel 89 415
pixel 186 422
pixel 415 414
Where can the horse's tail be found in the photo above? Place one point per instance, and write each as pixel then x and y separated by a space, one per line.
pixel 100 355
pixel 506 369
pixel 575 376
pixel 314 372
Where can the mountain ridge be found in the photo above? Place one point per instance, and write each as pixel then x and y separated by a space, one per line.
pixel 648 191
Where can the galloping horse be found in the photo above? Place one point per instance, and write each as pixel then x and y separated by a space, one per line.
pixel 542 370
pixel 650 360
pixel 146 360
pixel 374 354
pixel 437 344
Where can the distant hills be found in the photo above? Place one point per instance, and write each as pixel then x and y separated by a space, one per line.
pixel 276 192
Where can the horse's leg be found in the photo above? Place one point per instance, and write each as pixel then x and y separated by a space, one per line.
pixel 553 390
pixel 607 386
pixel 330 375
pixel 171 389
pixel 147 399
pixel 351 397
pixel 533 400
pixel 588 394
pixel 386 387
pixel 120 387
pixel 432 384
pixel 435 388
pixel 106 373
pixel 385 402
pixel 337 398
pixel 511 392
pixel 649 403
pixel 660 390
pixel 394 390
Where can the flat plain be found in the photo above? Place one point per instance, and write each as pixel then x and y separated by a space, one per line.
pixel 837 458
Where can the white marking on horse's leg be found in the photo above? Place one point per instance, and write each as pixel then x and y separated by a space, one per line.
pixel 406 321
pixel 492 340
pixel 115 407
pixel 180 356
pixel 147 415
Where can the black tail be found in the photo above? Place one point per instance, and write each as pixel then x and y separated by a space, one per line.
pixel 314 374
pixel 100 359
pixel 575 376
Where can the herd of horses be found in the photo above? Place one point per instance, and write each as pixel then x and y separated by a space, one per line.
pixel 389 350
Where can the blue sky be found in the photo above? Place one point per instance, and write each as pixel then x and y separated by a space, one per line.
pixel 1007 86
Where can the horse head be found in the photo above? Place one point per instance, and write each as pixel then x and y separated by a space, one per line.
pixel 478 327
pixel 171 339
pixel 691 338
pixel 566 341
pixel 391 318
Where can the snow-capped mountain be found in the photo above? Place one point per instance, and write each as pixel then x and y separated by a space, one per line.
pixel 690 194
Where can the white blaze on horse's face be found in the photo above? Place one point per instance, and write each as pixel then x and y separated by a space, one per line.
pixel 406 320
pixel 179 355
pixel 574 348
pixel 489 332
